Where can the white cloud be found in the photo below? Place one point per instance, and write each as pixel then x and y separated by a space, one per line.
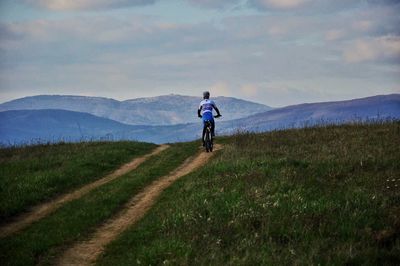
pixel 237 55
pixel 249 90
pixel 277 30
pixel 363 25
pixel 334 35
pixel 373 49
pixel 312 7
pixel 221 88
pixel 278 4
pixel 63 5
pixel 213 3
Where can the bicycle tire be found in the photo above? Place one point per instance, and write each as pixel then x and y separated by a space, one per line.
pixel 211 144
pixel 208 142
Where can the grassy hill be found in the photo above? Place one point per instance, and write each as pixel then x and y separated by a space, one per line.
pixel 323 195
pixel 310 196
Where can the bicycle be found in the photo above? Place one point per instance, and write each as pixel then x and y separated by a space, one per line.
pixel 208 137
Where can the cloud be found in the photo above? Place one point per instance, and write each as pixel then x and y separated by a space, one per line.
pixel 284 5
pixel 213 4
pixel 249 90
pixel 334 35
pixel 319 6
pixel 220 88
pixel 373 49
pixel 278 4
pixel 64 5
pixel 362 25
pixel 239 55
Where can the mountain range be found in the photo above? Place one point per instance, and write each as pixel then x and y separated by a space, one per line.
pixel 25 126
pixel 162 110
pixel 52 125
pixel 379 107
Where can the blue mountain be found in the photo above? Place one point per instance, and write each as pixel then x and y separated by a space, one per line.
pixel 162 110
pixel 371 108
pixel 26 126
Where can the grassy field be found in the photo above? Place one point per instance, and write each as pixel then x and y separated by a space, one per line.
pixel 43 241
pixel 327 195
pixel 29 175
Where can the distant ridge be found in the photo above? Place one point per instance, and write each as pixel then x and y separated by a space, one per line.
pixel 370 108
pixel 48 125
pixel 161 110
pixel 23 126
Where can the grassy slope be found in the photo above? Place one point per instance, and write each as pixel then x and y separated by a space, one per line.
pixel 318 195
pixel 44 240
pixel 33 174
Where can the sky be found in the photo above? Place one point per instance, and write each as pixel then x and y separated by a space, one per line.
pixel 275 52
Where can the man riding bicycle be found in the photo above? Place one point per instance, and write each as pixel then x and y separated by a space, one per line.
pixel 205 112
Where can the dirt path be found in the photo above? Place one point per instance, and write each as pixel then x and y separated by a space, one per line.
pixel 42 210
pixel 86 253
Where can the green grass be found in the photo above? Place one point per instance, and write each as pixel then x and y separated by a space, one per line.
pixel 42 242
pixel 310 196
pixel 30 175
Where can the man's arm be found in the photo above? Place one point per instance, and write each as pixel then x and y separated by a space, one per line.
pixel 217 110
pixel 198 112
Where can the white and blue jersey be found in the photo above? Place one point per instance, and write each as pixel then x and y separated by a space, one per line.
pixel 207 106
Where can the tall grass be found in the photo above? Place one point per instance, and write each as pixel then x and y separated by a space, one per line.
pixel 31 174
pixel 325 195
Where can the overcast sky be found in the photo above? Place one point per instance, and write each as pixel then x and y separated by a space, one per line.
pixel 276 52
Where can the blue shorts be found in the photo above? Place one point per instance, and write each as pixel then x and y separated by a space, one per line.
pixel 208 116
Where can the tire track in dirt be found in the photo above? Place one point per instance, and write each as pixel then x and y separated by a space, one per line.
pixel 38 212
pixel 86 253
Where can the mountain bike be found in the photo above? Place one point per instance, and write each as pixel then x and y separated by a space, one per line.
pixel 208 137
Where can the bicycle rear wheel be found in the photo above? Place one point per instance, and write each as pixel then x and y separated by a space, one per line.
pixel 209 145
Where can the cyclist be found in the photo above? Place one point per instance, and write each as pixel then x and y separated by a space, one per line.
pixel 205 111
